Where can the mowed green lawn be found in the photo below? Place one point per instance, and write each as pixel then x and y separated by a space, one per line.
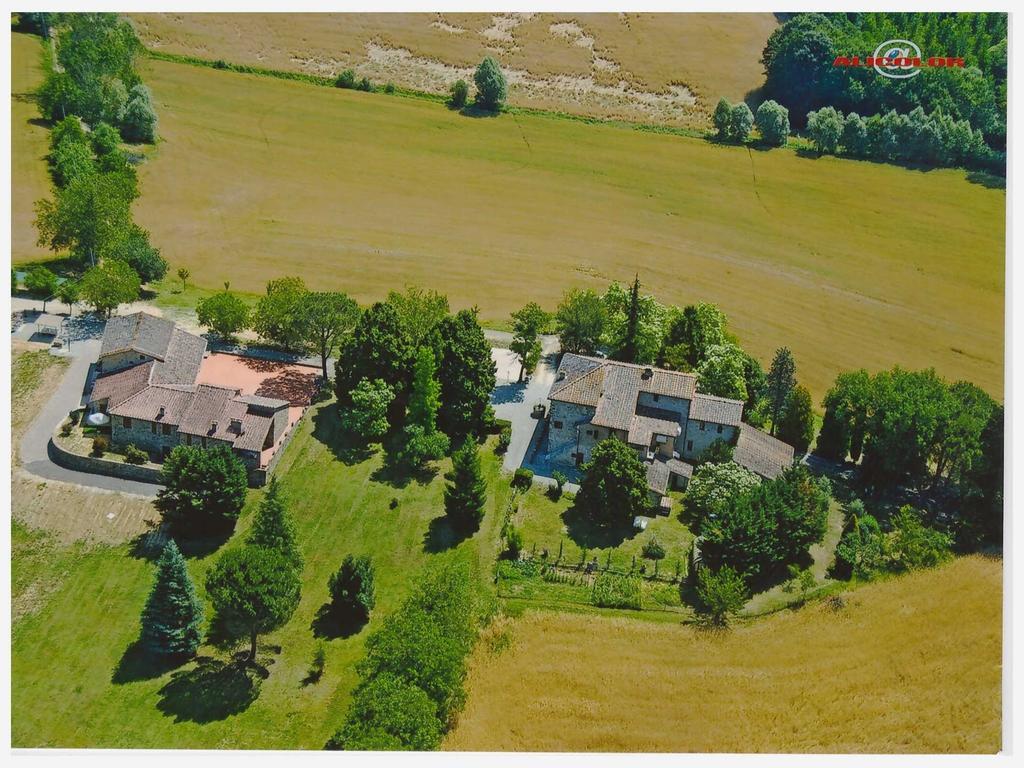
pixel 71 689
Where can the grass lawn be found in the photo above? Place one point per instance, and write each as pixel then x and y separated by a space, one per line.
pixel 77 683
pixel 544 523
pixel 899 669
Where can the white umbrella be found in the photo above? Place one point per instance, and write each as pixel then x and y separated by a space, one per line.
pixel 98 419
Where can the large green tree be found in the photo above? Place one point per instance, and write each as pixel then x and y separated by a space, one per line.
pixel 491 86
pixel 254 590
pixel 224 313
pixel 465 495
pixel 172 619
pixel 109 285
pixel 423 440
pixel 527 323
pixel 796 425
pixel 326 317
pixel 366 414
pixel 279 314
pixel 420 310
pixel 640 345
pixel 466 371
pixel 781 379
pixel 204 490
pixel 352 588
pixel 722 372
pixel 845 423
pixel 378 348
pixel 580 321
pixel 690 333
pixel 614 486
pixel 273 526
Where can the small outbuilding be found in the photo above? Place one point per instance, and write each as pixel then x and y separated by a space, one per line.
pixel 49 325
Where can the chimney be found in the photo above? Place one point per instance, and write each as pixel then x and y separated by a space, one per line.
pixel 648 372
pixel 560 376
pixel 160 413
pixel 213 427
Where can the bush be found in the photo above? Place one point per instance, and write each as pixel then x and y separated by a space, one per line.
pixel 560 480
pixel 389 87
pixel 100 445
pixel 67 427
pixel 364 85
pixel 504 439
pixel 772 121
pixel 346 79
pixel 39 281
pixel 513 543
pixel 133 455
pixel 459 94
pixel 522 478
pixel 720 594
pixel 351 588
pixel 389 713
pixel 653 550
pixel 613 591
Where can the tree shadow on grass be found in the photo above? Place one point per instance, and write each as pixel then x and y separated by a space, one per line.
pixel 211 690
pixel 441 535
pixel 588 535
pixel 399 475
pixel 150 545
pixel 330 624
pixel 346 448
pixel 139 664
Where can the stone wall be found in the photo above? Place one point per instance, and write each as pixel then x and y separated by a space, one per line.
pixel 112 468
pixel 562 433
pixel 141 435
pixel 701 439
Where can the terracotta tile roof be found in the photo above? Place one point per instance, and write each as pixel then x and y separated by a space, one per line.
pixel 254 432
pixel 258 402
pixel 657 476
pixel 681 468
pixel 117 387
pixel 211 406
pixel 643 428
pixel 761 453
pixel 182 360
pixel 717 410
pixel 146 404
pixel 140 332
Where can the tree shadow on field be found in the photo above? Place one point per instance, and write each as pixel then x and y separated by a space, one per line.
pixel 211 690
pixel 987 180
pixel 473 110
pixel 345 448
pixel 139 664
pixel 330 624
pixel 588 535
pixel 441 535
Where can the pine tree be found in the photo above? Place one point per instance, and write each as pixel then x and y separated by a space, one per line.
pixel 628 352
pixel 781 380
pixel 173 617
pixel 466 492
pixel 273 527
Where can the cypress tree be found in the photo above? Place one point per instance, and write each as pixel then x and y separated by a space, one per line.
pixel 273 527
pixel 173 616
pixel 425 398
pixel 781 380
pixel 628 353
pixel 466 492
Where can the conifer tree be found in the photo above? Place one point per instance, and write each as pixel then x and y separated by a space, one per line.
pixel 466 492
pixel 273 527
pixel 423 441
pixel 628 352
pixel 781 379
pixel 173 617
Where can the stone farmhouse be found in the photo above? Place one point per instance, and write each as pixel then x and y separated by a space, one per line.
pixel 661 413
pixel 146 383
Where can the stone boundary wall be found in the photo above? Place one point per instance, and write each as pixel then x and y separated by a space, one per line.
pixel 74 461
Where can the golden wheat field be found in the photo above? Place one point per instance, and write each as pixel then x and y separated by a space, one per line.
pixel 665 67
pixel 909 665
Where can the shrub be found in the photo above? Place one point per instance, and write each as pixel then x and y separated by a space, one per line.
pixel 522 478
pixel 389 87
pixel 459 94
pixel 220 64
pixel 389 713
pixel 364 85
pixel 560 480
pixel 67 427
pixel 613 591
pixel 504 439
pixel 100 445
pixel 513 542
pixel 133 455
pixel 720 594
pixel 351 587
pixel 346 79
pixel 41 282
pixel 772 120
pixel 653 549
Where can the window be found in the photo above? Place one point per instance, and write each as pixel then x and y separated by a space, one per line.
pixel 656 396
pixel 689 445
pixel 702 425
pixel 204 441
pixel 719 429
pixel 126 423
pixel 167 429
pixel 152 427
pixel 188 439
pixel 558 425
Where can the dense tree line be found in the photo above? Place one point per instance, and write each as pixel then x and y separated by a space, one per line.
pixel 913 428
pixel 798 60
pixel 412 679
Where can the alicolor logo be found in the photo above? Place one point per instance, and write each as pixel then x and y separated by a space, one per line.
pixel 898 59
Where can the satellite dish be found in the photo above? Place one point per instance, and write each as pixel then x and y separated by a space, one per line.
pixel 97 419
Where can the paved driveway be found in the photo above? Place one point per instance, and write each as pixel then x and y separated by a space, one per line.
pixel 514 400
pixel 33 450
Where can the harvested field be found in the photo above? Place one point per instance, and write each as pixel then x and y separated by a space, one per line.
pixel 664 68
pixel 898 669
